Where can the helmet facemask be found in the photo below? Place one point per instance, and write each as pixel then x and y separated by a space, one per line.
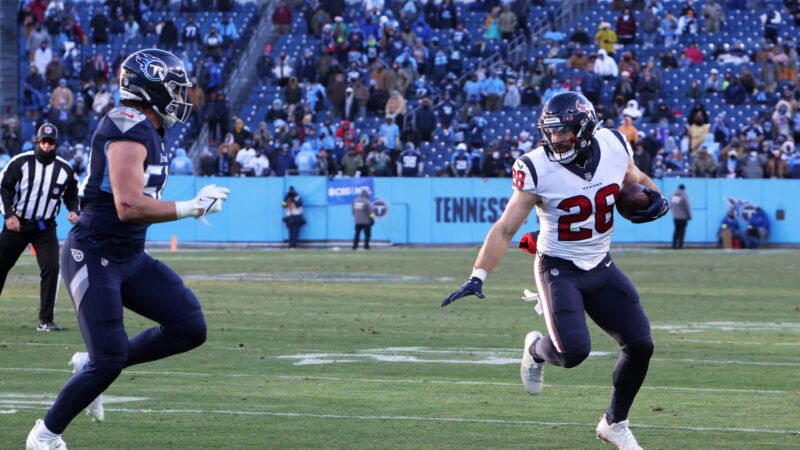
pixel 177 110
pixel 567 147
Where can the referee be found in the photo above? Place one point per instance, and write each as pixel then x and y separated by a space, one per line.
pixel 31 187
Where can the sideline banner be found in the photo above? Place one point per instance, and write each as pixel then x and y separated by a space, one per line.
pixel 342 191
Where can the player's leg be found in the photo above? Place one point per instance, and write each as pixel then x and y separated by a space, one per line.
pixel 12 244
pixel 357 236
pixel 46 245
pixel 567 343
pixel 155 291
pixel 94 289
pixel 613 304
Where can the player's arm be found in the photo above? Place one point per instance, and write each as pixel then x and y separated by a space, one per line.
pixel 126 172
pixel 496 244
pixel 658 204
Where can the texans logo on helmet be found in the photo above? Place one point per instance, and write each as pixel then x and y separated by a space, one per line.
pixel 581 107
pixel 153 68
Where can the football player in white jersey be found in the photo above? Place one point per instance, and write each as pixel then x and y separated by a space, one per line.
pixel 573 179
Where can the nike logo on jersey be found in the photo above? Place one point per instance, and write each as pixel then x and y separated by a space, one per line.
pixel 608 264
pixel 128 115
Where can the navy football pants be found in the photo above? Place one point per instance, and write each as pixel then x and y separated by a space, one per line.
pixel 100 288
pixel 611 300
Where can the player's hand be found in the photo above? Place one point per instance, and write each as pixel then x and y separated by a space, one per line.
pixel 12 224
pixel 473 286
pixel 209 200
pixel 72 216
pixel 528 242
pixel 658 207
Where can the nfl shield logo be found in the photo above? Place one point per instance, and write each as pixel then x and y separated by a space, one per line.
pixel 587 176
pixel 554 272
pixel 103 262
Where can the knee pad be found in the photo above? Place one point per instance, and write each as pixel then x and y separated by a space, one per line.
pixel 108 367
pixel 573 359
pixel 641 350
pixel 191 328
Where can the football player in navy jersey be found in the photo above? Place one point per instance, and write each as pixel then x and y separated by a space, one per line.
pixel 573 180
pixel 103 259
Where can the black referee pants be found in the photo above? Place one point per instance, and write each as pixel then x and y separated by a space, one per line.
pixel 12 244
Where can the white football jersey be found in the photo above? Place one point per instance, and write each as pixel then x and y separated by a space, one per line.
pixel 577 210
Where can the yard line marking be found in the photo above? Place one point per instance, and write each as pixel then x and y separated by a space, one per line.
pixel 134 372
pixel 504 384
pixel 723 342
pixel 435 419
pixel 728 326
pixel 731 361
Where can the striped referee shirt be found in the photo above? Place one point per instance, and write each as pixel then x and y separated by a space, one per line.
pixel 33 191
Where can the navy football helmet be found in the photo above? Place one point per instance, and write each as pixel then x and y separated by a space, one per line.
pixel 567 114
pixel 158 78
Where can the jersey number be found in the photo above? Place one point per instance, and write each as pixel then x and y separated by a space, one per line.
pixel 603 216
pixel 518 178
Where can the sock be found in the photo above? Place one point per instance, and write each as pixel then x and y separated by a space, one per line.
pixel 532 351
pixel 42 433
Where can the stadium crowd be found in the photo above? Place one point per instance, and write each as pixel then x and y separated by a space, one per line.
pixel 415 68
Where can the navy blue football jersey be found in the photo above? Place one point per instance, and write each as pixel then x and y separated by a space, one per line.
pixel 98 212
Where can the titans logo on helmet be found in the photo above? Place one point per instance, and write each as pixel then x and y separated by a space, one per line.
pixel 152 68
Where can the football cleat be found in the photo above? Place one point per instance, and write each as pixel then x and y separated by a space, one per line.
pixel 50 444
pixel 49 326
pixel 531 372
pixel 617 433
pixel 95 409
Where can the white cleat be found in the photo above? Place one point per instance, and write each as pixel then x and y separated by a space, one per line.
pixel 95 409
pixel 51 444
pixel 618 434
pixel 531 372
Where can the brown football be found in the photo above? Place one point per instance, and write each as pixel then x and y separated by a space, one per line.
pixel 632 198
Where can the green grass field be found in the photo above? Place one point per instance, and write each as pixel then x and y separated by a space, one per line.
pixel 298 358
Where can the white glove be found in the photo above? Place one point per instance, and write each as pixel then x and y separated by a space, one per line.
pixel 207 201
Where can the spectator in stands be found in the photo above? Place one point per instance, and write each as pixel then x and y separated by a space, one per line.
pixel 729 229
pixel 460 161
pixel 352 162
pixel 12 135
pixel 578 60
pixel 223 162
pixel 55 71
pixel 293 217
pixel 758 228
pixel 168 37
pixel 396 107
pixel 493 165
pixel 292 93
pixel 606 38
pixel 626 27
pixel 734 93
pixel 181 164
pixel 769 75
pixel 624 87
pixel 282 18
pixel 191 34
pixel 772 23
pixel 229 32
pixel 336 94
pixel 78 125
pixel 197 97
pixel 78 161
pixel 42 56
pixel 632 110
pixel 555 88
pixel 378 163
pixel 648 88
pixel 752 164
pixel 409 162
pixel 425 120
pixel 629 130
pixel 62 96
pixel 306 161
pixel 212 44
pixel 698 127
pixel 99 25
pixel 668 29
pixel 687 23
pixel 508 22
pixel 390 134
pixel 605 66
pixel 649 26
pixel 103 101
pixel 777 164
pixel 693 53
pixel 241 133
pixel 579 36
pixel 492 90
pixel 704 165
pixel 713 16
pixel 713 83
pixel 641 158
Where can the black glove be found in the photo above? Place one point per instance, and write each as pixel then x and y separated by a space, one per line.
pixel 473 286
pixel 658 207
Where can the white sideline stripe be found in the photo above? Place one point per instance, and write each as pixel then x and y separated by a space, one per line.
pixel 8 411
pixel 435 419
pixel 723 342
pixel 134 372
pixel 731 361
pixel 503 384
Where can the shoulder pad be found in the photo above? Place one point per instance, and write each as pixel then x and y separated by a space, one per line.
pixel 125 118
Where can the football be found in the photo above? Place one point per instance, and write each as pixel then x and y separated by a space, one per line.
pixel 632 198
